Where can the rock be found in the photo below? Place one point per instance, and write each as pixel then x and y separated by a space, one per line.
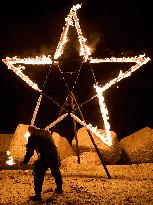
pixel 111 155
pixel 138 147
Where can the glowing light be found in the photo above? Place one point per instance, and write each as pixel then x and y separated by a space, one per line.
pixel 10 161
pixel 36 110
pixel 84 50
pixel 56 121
pixel 100 90
pixel 27 135
pixel 94 130
pixel 72 20
pixel 138 60
pixel 141 59
pixel 38 60
pixel 18 71
pixel 11 62
pixel 104 113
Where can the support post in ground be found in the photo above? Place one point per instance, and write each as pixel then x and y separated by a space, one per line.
pixel 92 140
pixel 75 132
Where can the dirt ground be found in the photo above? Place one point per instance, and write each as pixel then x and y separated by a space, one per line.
pixel 83 184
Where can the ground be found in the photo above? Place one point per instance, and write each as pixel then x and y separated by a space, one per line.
pixel 83 184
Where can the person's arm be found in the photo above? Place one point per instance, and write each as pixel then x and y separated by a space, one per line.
pixel 29 150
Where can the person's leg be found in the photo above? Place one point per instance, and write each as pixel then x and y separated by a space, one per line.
pixel 39 173
pixel 57 176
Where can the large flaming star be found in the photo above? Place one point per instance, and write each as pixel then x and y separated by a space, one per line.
pixel 72 20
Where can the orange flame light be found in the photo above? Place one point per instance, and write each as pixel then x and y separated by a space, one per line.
pixel 27 135
pixel 104 113
pixel 10 161
pixel 70 21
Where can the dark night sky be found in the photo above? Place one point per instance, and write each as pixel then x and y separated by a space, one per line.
pixel 111 27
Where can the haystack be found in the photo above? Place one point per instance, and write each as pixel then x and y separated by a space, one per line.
pixel 64 148
pixel 18 145
pixel 111 155
pixel 88 160
pixel 138 147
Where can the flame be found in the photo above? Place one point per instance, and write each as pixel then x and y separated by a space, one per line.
pixel 72 20
pixel 104 112
pixel 94 130
pixel 11 62
pixel 100 90
pixel 139 62
pixel 10 161
pixel 27 135
pixel 36 109
pixel 84 49
pixel 38 60
pixel 141 59
pixel 56 121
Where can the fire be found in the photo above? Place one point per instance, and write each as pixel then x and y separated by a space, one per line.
pixel 104 113
pixel 11 63
pixel 140 60
pixel 27 135
pixel 100 90
pixel 36 110
pixel 72 20
pixel 56 121
pixel 38 60
pixel 10 161
pixel 94 130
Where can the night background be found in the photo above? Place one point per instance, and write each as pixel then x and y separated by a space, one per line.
pixel 112 28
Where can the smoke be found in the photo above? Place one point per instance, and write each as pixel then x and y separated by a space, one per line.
pixel 46 50
pixel 93 40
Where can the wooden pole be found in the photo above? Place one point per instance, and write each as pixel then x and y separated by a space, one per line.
pixel 75 131
pixel 93 142
pixel 99 154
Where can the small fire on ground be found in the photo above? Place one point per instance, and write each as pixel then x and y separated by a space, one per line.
pixel 10 160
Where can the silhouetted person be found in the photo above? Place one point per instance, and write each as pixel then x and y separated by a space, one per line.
pixel 42 142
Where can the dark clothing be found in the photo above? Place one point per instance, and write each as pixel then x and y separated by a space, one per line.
pixel 39 173
pixel 42 141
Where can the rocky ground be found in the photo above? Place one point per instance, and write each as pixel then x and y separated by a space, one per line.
pixel 84 183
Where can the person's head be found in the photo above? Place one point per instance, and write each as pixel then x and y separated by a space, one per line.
pixel 32 129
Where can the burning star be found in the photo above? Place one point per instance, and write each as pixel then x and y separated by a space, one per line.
pixel 72 20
